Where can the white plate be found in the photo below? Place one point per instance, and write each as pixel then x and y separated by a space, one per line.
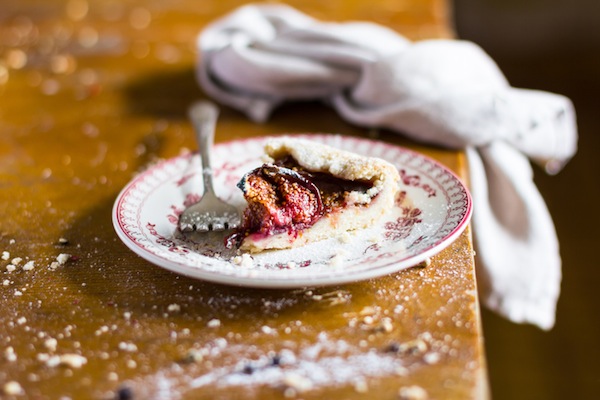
pixel 432 210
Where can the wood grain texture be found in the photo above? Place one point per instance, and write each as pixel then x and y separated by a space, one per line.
pixel 93 92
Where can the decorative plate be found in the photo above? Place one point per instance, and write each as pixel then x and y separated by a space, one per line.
pixel 432 208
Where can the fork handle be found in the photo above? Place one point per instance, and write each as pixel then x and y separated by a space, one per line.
pixel 203 115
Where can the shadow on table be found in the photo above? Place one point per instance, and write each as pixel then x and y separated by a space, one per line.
pixel 167 95
pixel 163 95
pixel 115 277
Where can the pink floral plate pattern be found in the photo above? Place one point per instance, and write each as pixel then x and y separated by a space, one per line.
pixel 432 209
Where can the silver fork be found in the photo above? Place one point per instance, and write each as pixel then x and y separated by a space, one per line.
pixel 210 213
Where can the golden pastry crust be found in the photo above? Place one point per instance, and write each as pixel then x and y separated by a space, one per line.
pixel 318 157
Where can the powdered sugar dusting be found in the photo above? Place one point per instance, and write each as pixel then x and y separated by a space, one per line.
pixel 324 363
pixel 327 363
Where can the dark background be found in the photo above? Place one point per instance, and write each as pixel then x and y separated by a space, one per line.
pixel 551 45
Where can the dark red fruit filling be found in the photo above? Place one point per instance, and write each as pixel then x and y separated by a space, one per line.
pixel 283 197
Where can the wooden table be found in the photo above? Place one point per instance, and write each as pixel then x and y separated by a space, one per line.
pixel 92 92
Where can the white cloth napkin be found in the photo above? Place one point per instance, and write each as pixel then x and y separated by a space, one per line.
pixel 444 92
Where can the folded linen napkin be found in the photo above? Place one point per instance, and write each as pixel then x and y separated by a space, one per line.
pixel 444 92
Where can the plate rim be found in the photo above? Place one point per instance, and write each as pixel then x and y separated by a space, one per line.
pixel 278 282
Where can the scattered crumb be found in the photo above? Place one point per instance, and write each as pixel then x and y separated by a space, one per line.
pixel 50 344
pixel 425 263
pixel 29 266
pixel 412 393
pixel 331 298
pixel 65 360
pixel 368 310
pixel 63 258
pixel 12 388
pixel 431 358
pixel 193 356
pixel 101 330
pixel 113 376
pixel 5 255
pixel 267 330
pixel 174 308
pixel 245 260
pixel 361 386
pixel 63 241
pixel 417 346
pixel 9 354
pixel 412 347
pixel 386 325
pixel 295 384
pixel 11 268
pixel 214 323
pixel 16 261
pixel 128 346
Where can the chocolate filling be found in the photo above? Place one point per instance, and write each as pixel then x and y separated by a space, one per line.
pixel 284 197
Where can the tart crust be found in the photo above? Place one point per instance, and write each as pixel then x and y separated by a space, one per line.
pixel 361 208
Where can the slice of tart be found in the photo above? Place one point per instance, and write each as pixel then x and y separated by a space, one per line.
pixel 307 191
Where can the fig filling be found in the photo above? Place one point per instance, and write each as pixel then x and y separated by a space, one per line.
pixel 284 197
